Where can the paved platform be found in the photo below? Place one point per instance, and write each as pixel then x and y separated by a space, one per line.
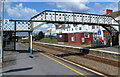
pixel 23 63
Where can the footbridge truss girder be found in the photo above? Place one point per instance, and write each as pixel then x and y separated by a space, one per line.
pixel 74 18
pixel 17 25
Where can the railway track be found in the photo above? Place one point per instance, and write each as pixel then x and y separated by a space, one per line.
pixel 80 54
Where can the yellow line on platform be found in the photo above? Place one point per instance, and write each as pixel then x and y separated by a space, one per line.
pixel 64 65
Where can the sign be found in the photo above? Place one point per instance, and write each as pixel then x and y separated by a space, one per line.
pixel 6 21
pixel 99 32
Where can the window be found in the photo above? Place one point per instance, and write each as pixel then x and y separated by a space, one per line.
pixel 93 27
pixel 67 29
pixel 84 28
pixel 66 25
pixel 73 38
pixel 83 40
pixel 80 28
pixel 86 35
pixel 97 27
pixel 76 28
pixel 72 29
pixel 60 36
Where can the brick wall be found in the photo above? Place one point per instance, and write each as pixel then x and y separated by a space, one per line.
pixel 78 38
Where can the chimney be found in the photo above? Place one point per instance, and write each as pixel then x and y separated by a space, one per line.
pixel 108 11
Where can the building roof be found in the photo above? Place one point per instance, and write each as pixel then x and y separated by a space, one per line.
pixel 115 14
pixel 62 26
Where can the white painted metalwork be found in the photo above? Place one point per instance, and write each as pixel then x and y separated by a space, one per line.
pixel 57 16
pixel 9 26
pixel 17 26
pixel 23 26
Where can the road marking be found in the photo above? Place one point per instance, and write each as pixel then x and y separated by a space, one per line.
pixel 64 65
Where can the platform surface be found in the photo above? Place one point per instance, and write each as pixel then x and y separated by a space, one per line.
pixel 23 63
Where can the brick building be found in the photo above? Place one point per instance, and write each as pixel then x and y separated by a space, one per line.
pixel 75 33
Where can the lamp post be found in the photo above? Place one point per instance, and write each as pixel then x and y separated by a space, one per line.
pixel 2 24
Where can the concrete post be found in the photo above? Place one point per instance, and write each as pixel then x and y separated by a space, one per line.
pixel 119 39
pixel 30 43
pixel 111 41
pixel 119 35
pixel 111 38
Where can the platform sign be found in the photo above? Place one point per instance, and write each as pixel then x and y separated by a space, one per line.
pixel 6 21
pixel 99 32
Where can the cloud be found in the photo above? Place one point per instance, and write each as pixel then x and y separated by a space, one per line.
pixel 19 11
pixel 44 26
pixel 60 0
pixel 100 7
pixel 75 6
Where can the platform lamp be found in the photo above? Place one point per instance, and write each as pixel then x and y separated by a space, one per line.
pixel 2 24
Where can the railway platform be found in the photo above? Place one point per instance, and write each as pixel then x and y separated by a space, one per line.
pixel 23 63
pixel 109 50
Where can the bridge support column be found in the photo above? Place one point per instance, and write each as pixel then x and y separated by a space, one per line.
pixel 119 35
pixel 119 39
pixel 111 41
pixel 30 43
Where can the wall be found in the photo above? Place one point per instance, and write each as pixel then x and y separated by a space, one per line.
pixel 78 38
pixel 62 37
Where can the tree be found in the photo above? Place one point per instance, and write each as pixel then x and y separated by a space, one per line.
pixel 40 35
pixel 35 37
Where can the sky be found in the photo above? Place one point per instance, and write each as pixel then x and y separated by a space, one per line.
pixel 25 10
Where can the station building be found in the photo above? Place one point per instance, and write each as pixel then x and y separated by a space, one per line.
pixel 77 34
pixel 83 34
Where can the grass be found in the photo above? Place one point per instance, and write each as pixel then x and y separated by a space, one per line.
pixel 25 40
pixel 49 40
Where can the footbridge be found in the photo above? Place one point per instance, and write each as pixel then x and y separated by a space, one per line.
pixel 60 17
